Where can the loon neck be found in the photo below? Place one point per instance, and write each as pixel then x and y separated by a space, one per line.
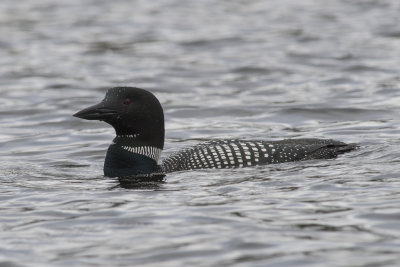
pixel 131 155
pixel 134 144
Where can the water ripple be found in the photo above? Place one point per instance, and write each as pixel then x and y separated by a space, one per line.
pixel 221 69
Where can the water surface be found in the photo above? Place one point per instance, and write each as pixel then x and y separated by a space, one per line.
pixel 221 69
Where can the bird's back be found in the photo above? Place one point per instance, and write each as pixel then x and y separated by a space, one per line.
pixel 221 154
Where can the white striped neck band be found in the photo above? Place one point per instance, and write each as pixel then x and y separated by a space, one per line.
pixel 128 136
pixel 148 151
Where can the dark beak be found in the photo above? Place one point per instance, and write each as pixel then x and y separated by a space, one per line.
pixel 97 112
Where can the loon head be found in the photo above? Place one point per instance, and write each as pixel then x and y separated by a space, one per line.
pixel 138 120
pixel 132 112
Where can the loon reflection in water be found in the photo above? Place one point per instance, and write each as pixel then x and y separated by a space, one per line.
pixel 138 120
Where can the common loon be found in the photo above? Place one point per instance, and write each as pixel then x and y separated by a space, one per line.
pixel 138 120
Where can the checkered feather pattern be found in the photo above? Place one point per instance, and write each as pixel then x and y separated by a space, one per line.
pixel 234 153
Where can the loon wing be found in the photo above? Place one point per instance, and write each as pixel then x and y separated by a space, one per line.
pixel 243 153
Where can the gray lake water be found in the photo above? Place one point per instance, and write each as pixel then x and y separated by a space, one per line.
pixel 222 69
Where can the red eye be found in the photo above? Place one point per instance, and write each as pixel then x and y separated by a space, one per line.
pixel 127 101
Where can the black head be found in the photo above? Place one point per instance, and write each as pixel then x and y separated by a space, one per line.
pixel 131 111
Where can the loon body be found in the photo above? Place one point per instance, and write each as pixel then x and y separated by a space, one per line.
pixel 138 120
